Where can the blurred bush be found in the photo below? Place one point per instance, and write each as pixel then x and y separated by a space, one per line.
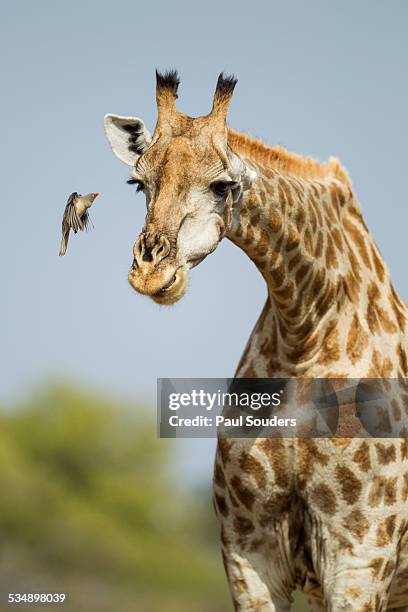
pixel 88 508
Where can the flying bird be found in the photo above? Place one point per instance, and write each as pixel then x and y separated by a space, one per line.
pixel 76 216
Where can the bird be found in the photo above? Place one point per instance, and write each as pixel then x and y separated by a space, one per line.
pixel 76 216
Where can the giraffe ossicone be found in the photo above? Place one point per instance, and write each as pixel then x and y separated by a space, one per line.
pixel 327 516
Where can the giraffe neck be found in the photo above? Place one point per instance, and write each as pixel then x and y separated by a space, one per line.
pixel 307 237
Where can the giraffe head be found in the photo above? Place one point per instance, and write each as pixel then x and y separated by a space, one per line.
pixel 191 180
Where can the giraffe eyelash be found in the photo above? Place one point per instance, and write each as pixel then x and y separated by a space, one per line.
pixel 133 181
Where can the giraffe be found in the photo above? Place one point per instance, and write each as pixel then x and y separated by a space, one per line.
pixel 327 516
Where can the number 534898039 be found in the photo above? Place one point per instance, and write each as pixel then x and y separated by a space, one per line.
pixel 36 597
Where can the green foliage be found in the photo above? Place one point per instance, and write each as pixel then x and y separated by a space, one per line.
pixel 88 508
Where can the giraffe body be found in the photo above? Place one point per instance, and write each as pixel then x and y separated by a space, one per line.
pixel 328 516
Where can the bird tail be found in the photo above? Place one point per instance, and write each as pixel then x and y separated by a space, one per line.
pixel 64 243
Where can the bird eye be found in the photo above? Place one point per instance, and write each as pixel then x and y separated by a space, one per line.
pixel 139 184
pixel 220 188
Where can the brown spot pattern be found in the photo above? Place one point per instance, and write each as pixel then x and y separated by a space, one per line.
pixel 245 495
pixel 396 410
pixel 383 488
pixel 350 485
pixel 331 259
pixel 404 492
pixel 263 244
pixel 357 524
pixel 359 241
pixel 243 526
pixel 275 221
pixel 250 465
pixel 404 449
pixel 309 455
pixel 377 317
pixel 308 242
pixel 330 348
pixel 385 530
pixel 357 340
pixel 403 359
pixel 275 453
pixel 221 505
pixel 385 454
pixel 378 264
pixel 276 507
pixel 362 457
pixel 323 498
pixel 292 238
pixel 376 565
pixel 338 239
pixel 319 245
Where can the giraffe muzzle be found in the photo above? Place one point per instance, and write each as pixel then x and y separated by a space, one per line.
pixel 154 272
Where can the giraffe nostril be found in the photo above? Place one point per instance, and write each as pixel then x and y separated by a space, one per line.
pixel 138 247
pixel 147 256
pixel 151 250
pixel 164 247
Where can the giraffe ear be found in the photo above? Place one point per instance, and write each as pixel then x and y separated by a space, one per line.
pixel 244 175
pixel 248 177
pixel 128 137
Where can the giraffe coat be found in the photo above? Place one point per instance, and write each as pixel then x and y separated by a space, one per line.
pixel 328 516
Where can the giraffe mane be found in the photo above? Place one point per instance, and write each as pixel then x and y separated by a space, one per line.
pixel 290 163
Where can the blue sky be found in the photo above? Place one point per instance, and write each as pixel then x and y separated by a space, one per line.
pixel 321 78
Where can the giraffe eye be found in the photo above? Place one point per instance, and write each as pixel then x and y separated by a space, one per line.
pixel 139 184
pixel 220 188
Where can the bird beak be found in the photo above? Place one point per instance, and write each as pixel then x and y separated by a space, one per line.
pixel 96 194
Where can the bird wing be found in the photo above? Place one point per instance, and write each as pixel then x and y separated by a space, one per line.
pixel 72 197
pixel 71 218
pixel 64 242
pixel 86 221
